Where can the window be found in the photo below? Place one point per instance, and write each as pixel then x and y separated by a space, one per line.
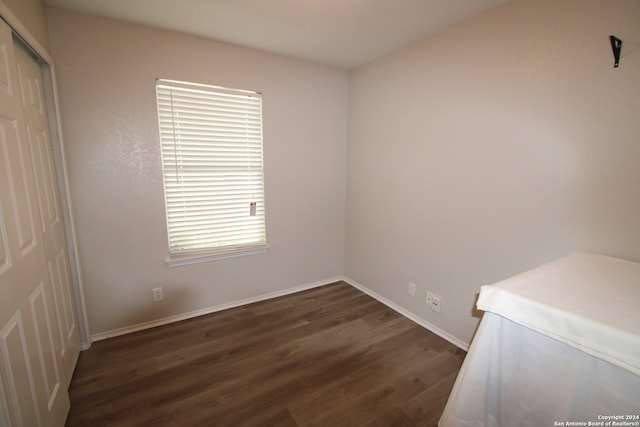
pixel 211 145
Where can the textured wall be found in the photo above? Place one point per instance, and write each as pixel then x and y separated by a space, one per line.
pixel 106 78
pixel 504 142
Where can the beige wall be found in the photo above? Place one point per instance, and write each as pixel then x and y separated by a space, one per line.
pixel 31 13
pixel 502 143
pixel 106 75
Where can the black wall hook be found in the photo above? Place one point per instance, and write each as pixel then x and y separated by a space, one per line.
pixel 616 46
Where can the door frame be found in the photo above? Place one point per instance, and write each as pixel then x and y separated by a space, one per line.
pixel 57 144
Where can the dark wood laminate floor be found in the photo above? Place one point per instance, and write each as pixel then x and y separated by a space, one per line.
pixel 330 356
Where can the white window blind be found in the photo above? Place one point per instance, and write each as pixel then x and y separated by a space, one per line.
pixel 211 144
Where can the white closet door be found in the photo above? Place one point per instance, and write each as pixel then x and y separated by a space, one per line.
pixel 33 379
pixel 51 224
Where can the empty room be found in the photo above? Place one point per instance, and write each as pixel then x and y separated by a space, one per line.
pixel 319 213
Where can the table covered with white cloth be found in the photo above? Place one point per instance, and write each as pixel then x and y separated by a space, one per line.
pixel 557 346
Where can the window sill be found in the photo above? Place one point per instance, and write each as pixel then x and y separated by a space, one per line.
pixel 196 258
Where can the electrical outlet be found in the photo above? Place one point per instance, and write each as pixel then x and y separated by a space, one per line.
pixel 434 301
pixel 436 304
pixel 429 299
pixel 412 289
pixel 158 295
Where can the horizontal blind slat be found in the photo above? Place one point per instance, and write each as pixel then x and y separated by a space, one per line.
pixel 211 145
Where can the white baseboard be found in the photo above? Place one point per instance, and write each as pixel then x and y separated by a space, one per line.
pixel 233 304
pixel 409 315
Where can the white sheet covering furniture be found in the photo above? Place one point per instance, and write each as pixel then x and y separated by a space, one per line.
pixel 557 346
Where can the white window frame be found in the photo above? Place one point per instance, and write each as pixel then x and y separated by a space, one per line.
pixel 212 166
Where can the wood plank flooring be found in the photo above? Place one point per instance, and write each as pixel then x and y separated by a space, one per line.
pixel 330 356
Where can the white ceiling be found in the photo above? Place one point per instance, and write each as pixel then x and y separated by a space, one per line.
pixel 343 33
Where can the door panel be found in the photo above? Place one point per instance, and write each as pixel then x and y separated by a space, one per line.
pixel 34 373
pixel 44 341
pixel 63 300
pixel 6 83
pixel 45 178
pixel 19 202
pixel 16 375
